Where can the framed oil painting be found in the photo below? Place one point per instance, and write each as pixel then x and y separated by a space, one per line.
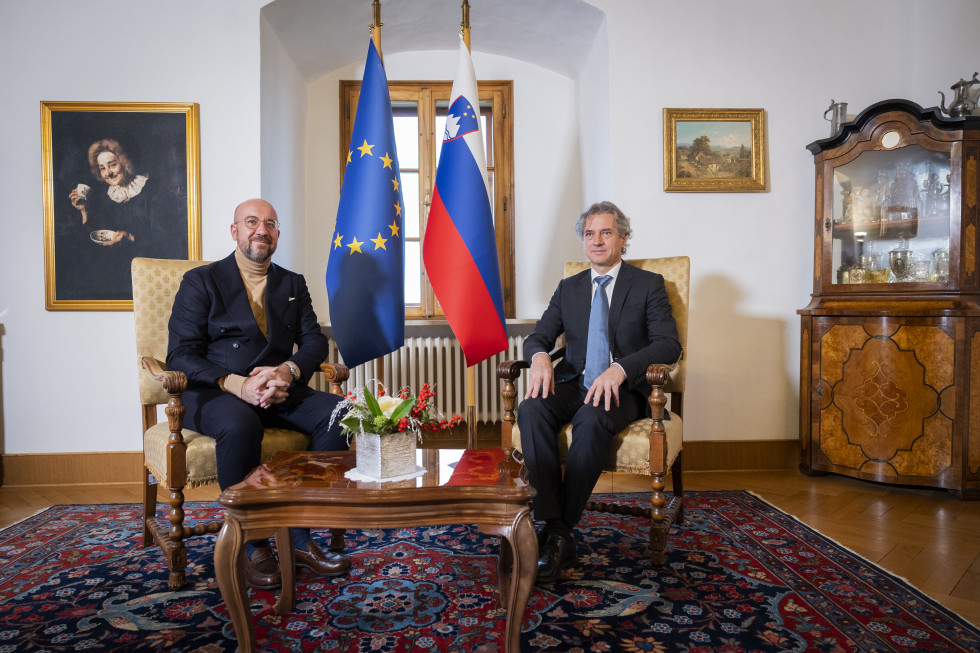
pixel 715 150
pixel 120 180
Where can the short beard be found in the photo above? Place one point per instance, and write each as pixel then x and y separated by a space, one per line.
pixel 258 258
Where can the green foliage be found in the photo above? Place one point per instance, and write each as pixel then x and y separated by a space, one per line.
pixel 404 408
pixel 372 403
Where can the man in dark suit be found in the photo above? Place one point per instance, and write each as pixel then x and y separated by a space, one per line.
pixel 599 386
pixel 233 330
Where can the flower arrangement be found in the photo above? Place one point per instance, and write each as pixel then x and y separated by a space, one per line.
pixel 378 412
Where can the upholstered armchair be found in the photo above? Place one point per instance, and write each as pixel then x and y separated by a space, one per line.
pixel 648 446
pixel 173 456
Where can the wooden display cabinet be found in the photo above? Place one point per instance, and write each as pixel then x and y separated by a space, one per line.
pixel 890 350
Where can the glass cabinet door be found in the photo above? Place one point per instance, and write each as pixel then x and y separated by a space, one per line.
pixel 891 217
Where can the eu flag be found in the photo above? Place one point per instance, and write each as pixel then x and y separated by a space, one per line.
pixel 366 269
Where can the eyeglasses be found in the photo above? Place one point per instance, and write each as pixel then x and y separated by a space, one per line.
pixel 253 223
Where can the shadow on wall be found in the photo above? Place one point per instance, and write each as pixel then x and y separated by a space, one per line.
pixel 738 369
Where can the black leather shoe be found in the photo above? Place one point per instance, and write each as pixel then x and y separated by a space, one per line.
pixel 319 562
pixel 542 535
pixel 262 570
pixel 558 554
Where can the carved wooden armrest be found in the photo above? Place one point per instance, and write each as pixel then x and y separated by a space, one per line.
pixel 335 374
pixel 657 376
pixel 507 371
pixel 658 373
pixel 511 370
pixel 173 382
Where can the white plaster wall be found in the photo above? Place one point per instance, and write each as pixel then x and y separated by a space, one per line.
pixel 68 378
pixel 546 160
pixel 752 253
pixel 283 116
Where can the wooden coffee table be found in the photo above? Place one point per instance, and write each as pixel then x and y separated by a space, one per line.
pixel 308 490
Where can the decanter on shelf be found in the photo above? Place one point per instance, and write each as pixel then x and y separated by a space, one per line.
pixel 900 261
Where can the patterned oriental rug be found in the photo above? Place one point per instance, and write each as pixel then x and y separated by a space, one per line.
pixel 741 576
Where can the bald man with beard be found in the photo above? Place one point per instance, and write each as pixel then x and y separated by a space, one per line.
pixel 233 330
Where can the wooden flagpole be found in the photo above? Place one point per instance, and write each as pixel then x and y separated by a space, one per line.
pixel 470 371
pixel 379 369
pixel 466 23
pixel 376 27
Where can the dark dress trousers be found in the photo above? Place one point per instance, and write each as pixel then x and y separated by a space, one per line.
pixel 213 333
pixel 642 331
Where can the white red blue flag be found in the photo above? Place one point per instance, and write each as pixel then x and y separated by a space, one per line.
pixel 459 249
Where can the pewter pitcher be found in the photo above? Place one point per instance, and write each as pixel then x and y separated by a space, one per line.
pixel 838 114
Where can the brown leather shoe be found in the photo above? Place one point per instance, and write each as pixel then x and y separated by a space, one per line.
pixel 324 564
pixel 262 570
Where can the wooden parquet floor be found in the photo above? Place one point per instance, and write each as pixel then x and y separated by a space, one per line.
pixel 925 536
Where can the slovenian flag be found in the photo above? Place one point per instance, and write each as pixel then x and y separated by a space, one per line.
pixel 459 250
pixel 366 269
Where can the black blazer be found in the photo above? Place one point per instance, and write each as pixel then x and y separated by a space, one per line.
pixel 213 332
pixel 642 330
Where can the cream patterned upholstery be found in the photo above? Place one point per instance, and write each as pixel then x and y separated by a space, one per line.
pixel 631 452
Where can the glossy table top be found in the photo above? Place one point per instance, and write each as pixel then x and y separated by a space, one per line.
pixel 316 476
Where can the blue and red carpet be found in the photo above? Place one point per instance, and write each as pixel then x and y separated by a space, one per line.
pixel 741 576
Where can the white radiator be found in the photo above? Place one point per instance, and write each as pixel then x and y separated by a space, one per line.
pixel 440 363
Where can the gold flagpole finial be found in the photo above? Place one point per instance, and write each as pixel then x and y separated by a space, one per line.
pixel 465 25
pixel 376 27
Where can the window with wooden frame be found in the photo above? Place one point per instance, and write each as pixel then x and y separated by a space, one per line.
pixel 419 110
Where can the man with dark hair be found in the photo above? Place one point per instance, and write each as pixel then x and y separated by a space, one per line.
pixel 233 330
pixel 617 321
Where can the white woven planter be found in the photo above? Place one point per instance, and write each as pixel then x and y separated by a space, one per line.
pixel 386 456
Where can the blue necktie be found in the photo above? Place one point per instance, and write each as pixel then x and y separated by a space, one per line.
pixel 597 353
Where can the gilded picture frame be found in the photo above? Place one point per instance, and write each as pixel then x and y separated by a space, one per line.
pixel 119 180
pixel 715 150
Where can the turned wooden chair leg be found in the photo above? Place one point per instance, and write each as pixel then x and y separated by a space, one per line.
pixel 337 540
pixel 659 523
pixel 149 506
pixel 677 476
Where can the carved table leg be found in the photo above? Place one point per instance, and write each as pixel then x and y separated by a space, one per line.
pixel 287 567
pixel 229 567
pixel 517 582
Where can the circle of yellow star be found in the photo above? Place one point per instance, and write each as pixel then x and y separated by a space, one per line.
pixel 379 242
pixel 394 229
pixel 365 149
pixel 386 160
pixel 338 241
pixel 398 209
pixel 355 246
pixel 395 182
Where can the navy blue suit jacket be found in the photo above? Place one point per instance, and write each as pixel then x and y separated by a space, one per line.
pixel 642 330
pixel 213 332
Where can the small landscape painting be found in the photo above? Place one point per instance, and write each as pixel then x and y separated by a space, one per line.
pixel 712 150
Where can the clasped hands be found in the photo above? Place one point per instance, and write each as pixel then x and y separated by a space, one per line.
pixel 266 386
pixel 541 380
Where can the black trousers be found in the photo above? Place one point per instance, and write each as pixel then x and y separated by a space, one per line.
pixel 594 429
pixel 237 426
